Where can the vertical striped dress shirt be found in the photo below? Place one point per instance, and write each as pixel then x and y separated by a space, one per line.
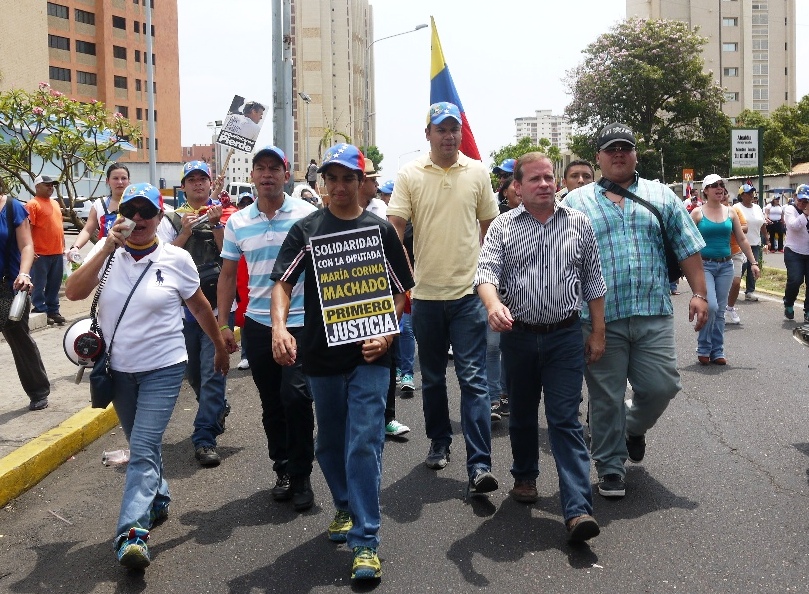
pixel 542 270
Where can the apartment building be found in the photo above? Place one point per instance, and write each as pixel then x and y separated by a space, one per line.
pixel 750 50
pixel 544 124
pixel 96 49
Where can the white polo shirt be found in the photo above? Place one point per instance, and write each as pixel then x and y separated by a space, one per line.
pixel 150 335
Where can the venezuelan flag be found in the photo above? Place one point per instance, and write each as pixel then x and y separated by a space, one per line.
pixel 442 88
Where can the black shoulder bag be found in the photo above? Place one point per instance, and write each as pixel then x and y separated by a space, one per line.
pixel 672 262
pixel 101 386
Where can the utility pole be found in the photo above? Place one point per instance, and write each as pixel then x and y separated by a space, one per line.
pixel 283 136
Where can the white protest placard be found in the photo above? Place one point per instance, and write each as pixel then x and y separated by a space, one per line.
pixel 352 281
pixel 242 124
pixel 743 149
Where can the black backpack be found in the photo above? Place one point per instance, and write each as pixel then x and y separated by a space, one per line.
pixel 202 247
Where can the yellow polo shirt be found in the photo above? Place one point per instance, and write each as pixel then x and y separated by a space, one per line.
pixel 445 207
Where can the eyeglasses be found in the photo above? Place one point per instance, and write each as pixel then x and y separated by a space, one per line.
pixel 146 211
pixel 618 149
pixel 719 184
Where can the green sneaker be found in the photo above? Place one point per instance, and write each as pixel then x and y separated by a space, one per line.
pixel 339 527
pixel 366 564
pixel 132 550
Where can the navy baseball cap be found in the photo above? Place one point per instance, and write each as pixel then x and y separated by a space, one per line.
pixel 272 151
pixel 613 133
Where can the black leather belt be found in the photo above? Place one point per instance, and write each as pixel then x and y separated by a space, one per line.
pixel 716 259
pixel 546 328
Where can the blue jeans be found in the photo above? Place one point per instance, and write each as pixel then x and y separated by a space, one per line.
pixel 350 411
pixel 46 275
pixel 797 266
pixel 286 405
pixel 747 269
pixel 208 385
pixel 553 363
pixel 494 366
pixel 405 353
pixel 640 349
pixel 144 402
pixel 711 338
pixel 463 323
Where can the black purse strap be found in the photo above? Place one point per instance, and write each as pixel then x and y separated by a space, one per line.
pixel 121 315
pixel 611 186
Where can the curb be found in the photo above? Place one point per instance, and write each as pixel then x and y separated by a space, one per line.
pixel 29 464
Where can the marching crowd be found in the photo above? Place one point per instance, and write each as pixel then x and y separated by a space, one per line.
pixel 532 296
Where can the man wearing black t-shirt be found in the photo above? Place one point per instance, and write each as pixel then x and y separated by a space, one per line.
pixel 349 382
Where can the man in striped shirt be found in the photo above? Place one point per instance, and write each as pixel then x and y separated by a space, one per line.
pixel 257 232
pixel 638 312
pixel 537 262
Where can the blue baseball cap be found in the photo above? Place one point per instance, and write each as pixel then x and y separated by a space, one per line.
pixel 443 110
pixel 346 155
pixel 387 187
pixel 192 166
pixel 506 166
pixel 747 188
pixel 273 151
pixel 802 193
pixel 144 190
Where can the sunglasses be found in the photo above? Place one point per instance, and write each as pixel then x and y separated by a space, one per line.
pixel 146 211
pixel 719 184
pixel 618 149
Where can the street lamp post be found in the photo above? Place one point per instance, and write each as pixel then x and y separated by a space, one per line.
pixel 366 123
pixel 306 99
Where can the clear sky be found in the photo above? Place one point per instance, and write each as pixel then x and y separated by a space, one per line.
pixel 506 64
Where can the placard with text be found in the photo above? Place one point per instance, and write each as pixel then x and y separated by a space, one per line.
pixel 352 281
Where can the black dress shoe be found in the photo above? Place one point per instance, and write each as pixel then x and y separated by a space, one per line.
pixel 302 496
pixel 281 490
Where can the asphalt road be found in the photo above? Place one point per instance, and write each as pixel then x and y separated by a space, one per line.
pixel 718 505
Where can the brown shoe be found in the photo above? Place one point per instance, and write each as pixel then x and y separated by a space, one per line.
pixel 720 361
pixel 703 360
pixel 582 528
pixel 525 491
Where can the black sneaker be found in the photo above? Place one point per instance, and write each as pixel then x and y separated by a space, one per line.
pixel 302 495
pixel 496 412
pixel 281 491
pixel 504 409
pixel 611 485
pixel 40 404
pixel 482 481
pixel 438 456
pixel 223 416
pixel 636 447
pixel 207 456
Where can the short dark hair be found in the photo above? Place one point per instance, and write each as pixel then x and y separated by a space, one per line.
pixel 115 166
pixel 252 106
pixel 529 158
pixel 505 182
pixel 579 162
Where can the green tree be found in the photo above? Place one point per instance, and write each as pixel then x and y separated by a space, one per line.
pixel 524 145
pixel 649 75
pixel 372 153
pixel 46 127
pixel 330 134
pixel 786 134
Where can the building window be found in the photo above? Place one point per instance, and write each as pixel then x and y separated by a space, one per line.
pixel 761 94
pixel 119 22
pixel 760 19
pixel 761 69
pixel 730 71
pixel 85 47
pixel 58 10
pixel 730 22
pixel 82 16
pixel 86 78
pixel 730 47
pixel 153 60
pixel 154 114
pixel 123 110
pixel 56 73
pixel 138 113
pixel 120 82
pixel 761 44
pixel 731 96
pixel 137 85
pixel 152 31
pixel 136 25
pixel 119 52
pixel 137 55
pixel 58 42
pixel 154 87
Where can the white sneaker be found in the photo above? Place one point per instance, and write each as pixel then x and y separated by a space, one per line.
pixel 396 428
pixel 243 364
pixel 750 297
pixel 734 315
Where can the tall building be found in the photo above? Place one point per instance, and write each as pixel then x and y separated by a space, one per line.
pixel 750 49
pixel 329 48
pixel 544 124
pixel 96 49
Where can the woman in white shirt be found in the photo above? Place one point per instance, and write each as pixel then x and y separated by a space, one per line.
pixel 774 217
pixel 148 357
pixel 796 252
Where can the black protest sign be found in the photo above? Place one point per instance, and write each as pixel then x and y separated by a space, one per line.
pixel 352 282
